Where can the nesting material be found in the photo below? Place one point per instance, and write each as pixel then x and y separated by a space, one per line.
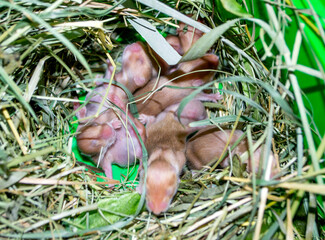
pixel 53 53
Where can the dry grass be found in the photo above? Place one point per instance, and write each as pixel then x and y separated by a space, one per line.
pixel 50 54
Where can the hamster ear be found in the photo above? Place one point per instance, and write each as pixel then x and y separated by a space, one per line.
pixel 116 123
pixel 109 71
pixel 140 81
pixel 82 112
pixel 197 82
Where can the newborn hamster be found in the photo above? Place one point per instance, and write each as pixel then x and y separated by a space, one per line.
pixel 208 144
pixel 166 148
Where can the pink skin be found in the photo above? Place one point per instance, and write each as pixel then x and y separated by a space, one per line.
pixel 121 152
pixel 193 111
pixel 174 41
pixel 94 99
pixel 167 100
pixel 187 36
pixel 209 143
pixel 95 136
pixel 165 145
pixel 170 96
pixel 207 62
pixel 137 68
pixel 131 76
pixel 106 134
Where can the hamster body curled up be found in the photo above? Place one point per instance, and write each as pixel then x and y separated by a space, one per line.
pixel 209 143
pixel 109 137
pixel 180 87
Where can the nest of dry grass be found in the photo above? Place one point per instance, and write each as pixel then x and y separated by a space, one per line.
pixel 50 54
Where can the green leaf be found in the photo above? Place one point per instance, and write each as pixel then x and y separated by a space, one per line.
pixel 201 46
pixel 111 210
pixel 234 8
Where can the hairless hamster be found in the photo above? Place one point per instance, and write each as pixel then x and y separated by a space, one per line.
pixel 137 68
pixel 108 138
pixel 208 144
pixel 166 97
pixel 108 141
pixel 188 36
pixel 193 111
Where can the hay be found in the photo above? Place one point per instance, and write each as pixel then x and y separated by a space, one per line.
pixel 50 54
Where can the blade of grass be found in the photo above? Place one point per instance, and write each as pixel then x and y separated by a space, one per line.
pixel 216 214
pixel 35 79
pixel 6 79
pixel 156 41
pixel 223 119
pixel 159 6
pixel 311 218
pixel 201 46
pixel 59 36
pixel 30 156
pixel 289 230
pixel 267 166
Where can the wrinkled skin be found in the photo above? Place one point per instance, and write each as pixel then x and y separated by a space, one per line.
pixel 188 36
pixel 166 97
pixel 107 138
pixel 209 143
pixel 137 68
pixel 193 111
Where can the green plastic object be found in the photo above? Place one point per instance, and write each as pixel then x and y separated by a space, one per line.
pixel 312 48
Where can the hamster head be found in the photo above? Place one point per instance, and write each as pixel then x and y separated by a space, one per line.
pixel 161 186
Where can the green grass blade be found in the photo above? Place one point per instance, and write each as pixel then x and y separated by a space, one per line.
pixel 159 6
pixel 156 41
pixel 201 46
pixel 224 119
pixel 59 36
pixel 16 90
